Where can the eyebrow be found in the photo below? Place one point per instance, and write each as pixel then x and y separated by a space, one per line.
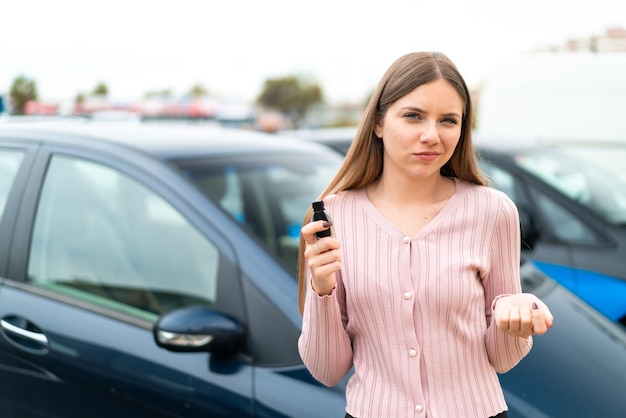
pixel 417 109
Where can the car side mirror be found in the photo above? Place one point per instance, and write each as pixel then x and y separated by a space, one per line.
pixel 199 328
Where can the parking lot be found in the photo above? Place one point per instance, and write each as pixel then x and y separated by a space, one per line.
pixel 124 246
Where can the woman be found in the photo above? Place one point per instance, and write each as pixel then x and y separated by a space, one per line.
pixel 418 286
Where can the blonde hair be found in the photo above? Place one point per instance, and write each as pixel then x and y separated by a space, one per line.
pixel 363 163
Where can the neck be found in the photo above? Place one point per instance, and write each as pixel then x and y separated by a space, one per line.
pixel 416 191
pixel 411 206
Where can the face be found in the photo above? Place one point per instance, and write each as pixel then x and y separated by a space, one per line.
pixel 421 130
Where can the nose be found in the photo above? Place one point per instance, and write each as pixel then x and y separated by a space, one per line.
pixel 430 135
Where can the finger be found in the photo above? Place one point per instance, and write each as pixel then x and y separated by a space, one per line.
pixel 501 315
pixel 308 233
pixel 321 246
pixel 547 315
pixel 541 321
pixel 309 230
pixel 323 267
pixel 526 321
pixel 325 272
pixel 316 257
pixel 539 324
pixel 326 257
pixel 514 321
pixel 504 323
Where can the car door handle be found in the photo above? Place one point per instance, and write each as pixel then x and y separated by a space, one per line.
pixel 33 336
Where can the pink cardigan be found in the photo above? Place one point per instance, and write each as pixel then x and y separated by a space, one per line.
pixel 413 314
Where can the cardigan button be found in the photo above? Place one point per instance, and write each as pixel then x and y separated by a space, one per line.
pixel 419 408
pixel 406 240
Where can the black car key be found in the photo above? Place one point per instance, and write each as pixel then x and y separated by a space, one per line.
pixel 320 214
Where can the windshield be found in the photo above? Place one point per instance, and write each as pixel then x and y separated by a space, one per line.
pixel 584 176
pixel 268 195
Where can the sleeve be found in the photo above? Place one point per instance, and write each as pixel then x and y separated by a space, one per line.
pixel 324 344
pixel 504 351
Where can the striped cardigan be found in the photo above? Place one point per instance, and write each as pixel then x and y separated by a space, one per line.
pixel 413 314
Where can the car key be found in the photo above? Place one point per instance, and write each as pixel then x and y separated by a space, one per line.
pixel 320 214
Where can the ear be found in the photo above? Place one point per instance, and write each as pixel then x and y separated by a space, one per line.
pixel 378 130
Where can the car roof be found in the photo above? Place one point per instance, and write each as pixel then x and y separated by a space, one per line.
pixel 166 140
pixel 323 134
pixel 514 143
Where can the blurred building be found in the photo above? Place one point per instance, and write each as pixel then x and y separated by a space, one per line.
pixel 613 40
pixel 578 95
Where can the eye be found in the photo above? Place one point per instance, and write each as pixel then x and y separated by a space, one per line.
pixel 413 115
pixel 450 121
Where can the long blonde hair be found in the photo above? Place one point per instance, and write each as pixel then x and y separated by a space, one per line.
pixel 363 163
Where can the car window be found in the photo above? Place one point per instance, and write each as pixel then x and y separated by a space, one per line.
pixel 10 160
pixel 580 180
pixel 560 224
pixel 267 195
pixel 563 225
pixel 103 237
pixel 499 179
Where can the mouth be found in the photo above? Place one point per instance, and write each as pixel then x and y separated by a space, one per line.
pixel 427 155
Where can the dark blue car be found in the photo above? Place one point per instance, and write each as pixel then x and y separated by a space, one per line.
pixel 149 271
pixel 573 214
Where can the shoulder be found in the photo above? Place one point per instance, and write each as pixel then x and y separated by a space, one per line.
pixel 485 196
pixel 488 207
pixel 341 198
pixel 347 202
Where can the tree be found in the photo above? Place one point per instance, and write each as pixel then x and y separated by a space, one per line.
pixel 291 96
pixel 198 90
pixel 155 94
pixel 23 90
pixel 101 90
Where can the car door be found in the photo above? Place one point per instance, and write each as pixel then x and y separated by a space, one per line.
pixel 100 247
pixel 560 239
pixel 593 269
pixel 536 243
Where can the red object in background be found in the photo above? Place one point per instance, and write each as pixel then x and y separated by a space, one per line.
pixel 37 108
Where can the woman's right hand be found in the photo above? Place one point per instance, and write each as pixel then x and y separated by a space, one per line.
pixel 322 256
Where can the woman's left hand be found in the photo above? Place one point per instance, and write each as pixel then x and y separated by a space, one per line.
pixel 522 315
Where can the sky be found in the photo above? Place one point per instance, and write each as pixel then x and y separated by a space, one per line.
pixel 231 47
